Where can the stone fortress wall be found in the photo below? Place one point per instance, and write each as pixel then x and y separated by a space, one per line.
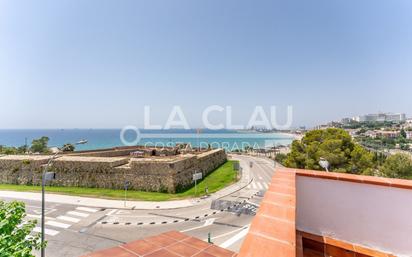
pixel 161 172
pixel 127 150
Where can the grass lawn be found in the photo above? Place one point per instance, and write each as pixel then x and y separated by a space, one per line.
pixel 216 180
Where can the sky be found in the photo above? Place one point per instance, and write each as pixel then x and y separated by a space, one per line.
pixel 96 63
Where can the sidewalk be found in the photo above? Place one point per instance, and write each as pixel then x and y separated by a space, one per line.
pixel 141 205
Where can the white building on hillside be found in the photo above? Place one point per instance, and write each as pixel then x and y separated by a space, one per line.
pixel 381 117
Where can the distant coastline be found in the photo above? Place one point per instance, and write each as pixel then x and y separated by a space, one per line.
pixel 293 135
pixel 287 134
pixel 107 138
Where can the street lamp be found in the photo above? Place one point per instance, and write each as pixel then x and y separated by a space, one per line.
pixel 48 176
pixel 324 164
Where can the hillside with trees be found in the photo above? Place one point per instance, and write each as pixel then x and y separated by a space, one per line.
pixel 39 146
pixel 344 155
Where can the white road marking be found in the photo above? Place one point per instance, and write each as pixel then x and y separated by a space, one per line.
pixel 120 212
pixel 47 211
pixel 133 216
pixel 208 222
pixel 79 214
pixel 259 185
pixel 235 238
pixel 111 212
pixel 50 232
pixel 38 217
pixel 86 209
pixel 66 218
pixel 228 233
pixel 57 224
pixel 254 186
pixel 265 186
pixel 266 173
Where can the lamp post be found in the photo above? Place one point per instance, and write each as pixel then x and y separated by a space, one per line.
pixel 48 176
pixel 324 164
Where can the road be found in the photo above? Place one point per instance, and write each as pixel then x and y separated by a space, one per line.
pixel 73 230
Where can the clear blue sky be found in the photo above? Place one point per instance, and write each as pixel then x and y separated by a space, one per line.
pixel 66 64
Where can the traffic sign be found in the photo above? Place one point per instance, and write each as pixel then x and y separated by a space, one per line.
pixel 126 184
pixel 197 176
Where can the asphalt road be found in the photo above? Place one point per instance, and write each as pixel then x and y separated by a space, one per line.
pixel 76 230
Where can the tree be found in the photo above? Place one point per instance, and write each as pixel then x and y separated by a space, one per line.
pixel 336 146
pixel 68 148
pixel 15 235
pixel 280 157
pixel 398 166
pixel 9 150
pixel 22 149
pixel 39 145
pixel 13 150
pixel 361 160
pixel 403 133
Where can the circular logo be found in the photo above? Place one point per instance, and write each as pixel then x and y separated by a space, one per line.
pixel 126 141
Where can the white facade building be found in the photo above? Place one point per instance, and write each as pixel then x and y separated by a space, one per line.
pixel 381 117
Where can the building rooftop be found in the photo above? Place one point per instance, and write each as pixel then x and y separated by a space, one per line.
pixel 169 244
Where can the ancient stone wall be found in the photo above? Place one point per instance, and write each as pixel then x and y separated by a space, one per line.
pixel 17 169
pixel 159 174
pixel 126 151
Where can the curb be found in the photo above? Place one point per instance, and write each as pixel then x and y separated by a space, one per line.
pixel 197 218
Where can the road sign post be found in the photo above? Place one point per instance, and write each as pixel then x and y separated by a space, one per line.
pixel 196 177
pixel 126 185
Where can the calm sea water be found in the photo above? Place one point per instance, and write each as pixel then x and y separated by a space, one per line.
pixel 106 138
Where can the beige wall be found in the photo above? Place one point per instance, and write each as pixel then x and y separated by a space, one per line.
pixel 377 217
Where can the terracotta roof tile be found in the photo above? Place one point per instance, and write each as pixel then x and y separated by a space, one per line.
pixel 281 199
pixel 197 243
pixel 281 212
pixel 162 253
pixel 203 254
pixel 219 252
pixel 141 247
pixel 169 244
pixel 389 182
pixel 161 240
pixel 258 246
pixel 116 251
pixel 176 235
pixel 276 229
pixel 273 230
pixel 182 249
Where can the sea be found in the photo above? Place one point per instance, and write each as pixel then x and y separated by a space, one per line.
pixel 231 140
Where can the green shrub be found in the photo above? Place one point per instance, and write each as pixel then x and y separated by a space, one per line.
pixel 16 238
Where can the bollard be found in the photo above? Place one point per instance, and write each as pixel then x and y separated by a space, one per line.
pixel 209 240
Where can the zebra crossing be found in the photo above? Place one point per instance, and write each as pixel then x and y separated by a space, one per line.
pixel 256 185
pixel 64 221
pixel 262 175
